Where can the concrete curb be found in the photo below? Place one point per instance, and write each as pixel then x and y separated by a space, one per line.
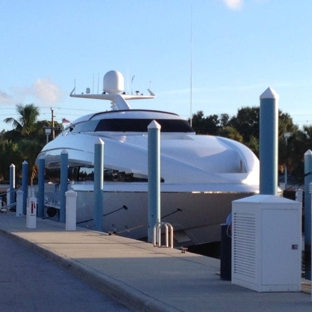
pixel 121 292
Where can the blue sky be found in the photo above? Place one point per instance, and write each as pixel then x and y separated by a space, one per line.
pixel 237 49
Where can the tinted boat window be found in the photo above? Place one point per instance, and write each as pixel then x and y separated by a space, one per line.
pixel 80 174
pixel 140 125
pixel 88 126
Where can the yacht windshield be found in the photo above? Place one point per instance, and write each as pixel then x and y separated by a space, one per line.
pixel 140 125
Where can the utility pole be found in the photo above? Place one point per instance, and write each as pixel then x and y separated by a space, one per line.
pixel 52 122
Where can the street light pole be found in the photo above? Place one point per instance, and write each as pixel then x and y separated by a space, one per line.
pixel 286 136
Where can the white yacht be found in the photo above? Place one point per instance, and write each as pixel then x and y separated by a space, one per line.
pixel 200 174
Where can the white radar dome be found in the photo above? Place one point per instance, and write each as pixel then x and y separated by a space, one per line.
pixel 113 82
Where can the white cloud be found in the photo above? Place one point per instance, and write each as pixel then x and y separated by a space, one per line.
pixel 233 4
pixel 6 99
pixel 42 92
pixel 46 91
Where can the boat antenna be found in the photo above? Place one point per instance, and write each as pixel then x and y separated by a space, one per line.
pixel 128 81
pixel 93 84
pixel 191 69
pixel 98 86
pixel 132 84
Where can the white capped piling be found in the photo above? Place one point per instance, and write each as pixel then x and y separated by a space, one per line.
pixel 41 166
pixel 153 177
pixel 12 183
pixel 268 150
pixel 19 203
pixel 63 185
pixel 71 209
pixel 98 185
pixel 25 184
pixel 307 212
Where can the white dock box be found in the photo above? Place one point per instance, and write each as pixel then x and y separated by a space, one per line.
pixel 266 243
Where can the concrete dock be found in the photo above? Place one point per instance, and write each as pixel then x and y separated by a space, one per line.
pixel 143 277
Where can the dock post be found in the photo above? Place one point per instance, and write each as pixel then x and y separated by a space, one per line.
pixel 63 184
pixel 41 187
pixel 31 215
pixel 71 210
pixel 268 151
pixel 98 185
pixel 12 183
pixel 25 184
pixel 19 203
pixel 153 178
pixel 307 212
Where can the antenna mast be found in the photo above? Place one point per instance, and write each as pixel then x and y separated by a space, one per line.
pixel 98 83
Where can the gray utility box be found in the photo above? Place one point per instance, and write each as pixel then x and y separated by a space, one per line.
pixel 266 243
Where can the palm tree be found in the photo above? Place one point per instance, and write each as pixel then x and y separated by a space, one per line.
pixel 27 120
pixel 26 136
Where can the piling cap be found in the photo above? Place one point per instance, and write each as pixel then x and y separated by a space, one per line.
pixel 100 142
pixel 154 125
pixel 269 94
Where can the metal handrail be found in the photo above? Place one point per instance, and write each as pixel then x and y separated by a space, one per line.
pixel 157 234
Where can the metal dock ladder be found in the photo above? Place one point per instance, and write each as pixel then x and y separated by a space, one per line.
pixel 157 234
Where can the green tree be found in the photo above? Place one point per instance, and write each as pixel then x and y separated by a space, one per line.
pixel 285 124
pixel 199 123
pixel 253 144
pixel 231 133
pixel 287 153
pixel 9 155
pixel 26 122
pixel 246 122
pixel 224 120
pixel 24 136
pixel 206 125
pixel 27 137
pixel 299 142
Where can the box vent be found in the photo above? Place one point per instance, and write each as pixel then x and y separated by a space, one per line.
pixel 244 239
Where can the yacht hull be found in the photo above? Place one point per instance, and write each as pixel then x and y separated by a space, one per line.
pixel 195 216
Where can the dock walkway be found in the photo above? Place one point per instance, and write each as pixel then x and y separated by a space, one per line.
pixel 143 277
